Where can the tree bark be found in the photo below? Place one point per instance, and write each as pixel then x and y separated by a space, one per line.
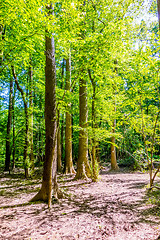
pixel 94 160
pixel 31 118
pixel 2 36
pixel 59 155
pixel 50 163
pixel 62 117
pixel 68 131
pixel 83 168
pixel 114 165
pixel 14 138
pixel 9 125
pixel 25 155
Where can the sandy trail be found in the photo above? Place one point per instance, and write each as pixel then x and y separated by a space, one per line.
pixel 113 208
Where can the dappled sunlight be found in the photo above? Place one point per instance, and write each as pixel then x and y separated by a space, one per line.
pixel 116 205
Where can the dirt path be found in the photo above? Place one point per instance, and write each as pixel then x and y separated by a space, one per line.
pixel 113 208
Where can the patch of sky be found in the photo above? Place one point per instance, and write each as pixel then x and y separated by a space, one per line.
pixel 140 11
pixel 4 96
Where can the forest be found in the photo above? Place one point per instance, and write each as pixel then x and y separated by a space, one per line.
pixel 80 119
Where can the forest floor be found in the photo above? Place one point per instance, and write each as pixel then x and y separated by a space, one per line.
pixel 117 207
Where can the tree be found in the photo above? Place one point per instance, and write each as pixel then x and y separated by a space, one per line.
pixel 59 154
pixel 83 168
pixel 50 163
pixel 114 165
pixel 93 145
pixel 14 137
pixel 31 156
pixel 9 124
pixel 25 156
pixel 68 131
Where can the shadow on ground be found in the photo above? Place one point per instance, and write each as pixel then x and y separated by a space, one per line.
pixel 83 200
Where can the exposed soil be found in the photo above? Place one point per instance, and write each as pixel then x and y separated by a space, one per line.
pixel 115 208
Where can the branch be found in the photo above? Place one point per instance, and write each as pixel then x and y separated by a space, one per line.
pixel 72 89
pixel 153 186
pixel 19 88
pixel 154 132
pixel 89 72
pixel 158 169
pixel 17 45
pixel 94 6
pixel 143 133
pixel 123 150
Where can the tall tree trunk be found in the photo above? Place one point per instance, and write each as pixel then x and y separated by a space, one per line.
pixel 62 137
pixel 31 118
pixel 94 160
pixel 9 124
pixel 50 163
pixel 114 165
pixel 25 156
pixel 1 51
pixel 60 130
pixel 83 168
pixel 40 144
pixel 2 36
pixel 95 174
pixel 14 147
pixel 62 117
pixel 59 156
pixel 68 131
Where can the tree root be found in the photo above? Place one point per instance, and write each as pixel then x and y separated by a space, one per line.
pixel 39 197
pixel 149 189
